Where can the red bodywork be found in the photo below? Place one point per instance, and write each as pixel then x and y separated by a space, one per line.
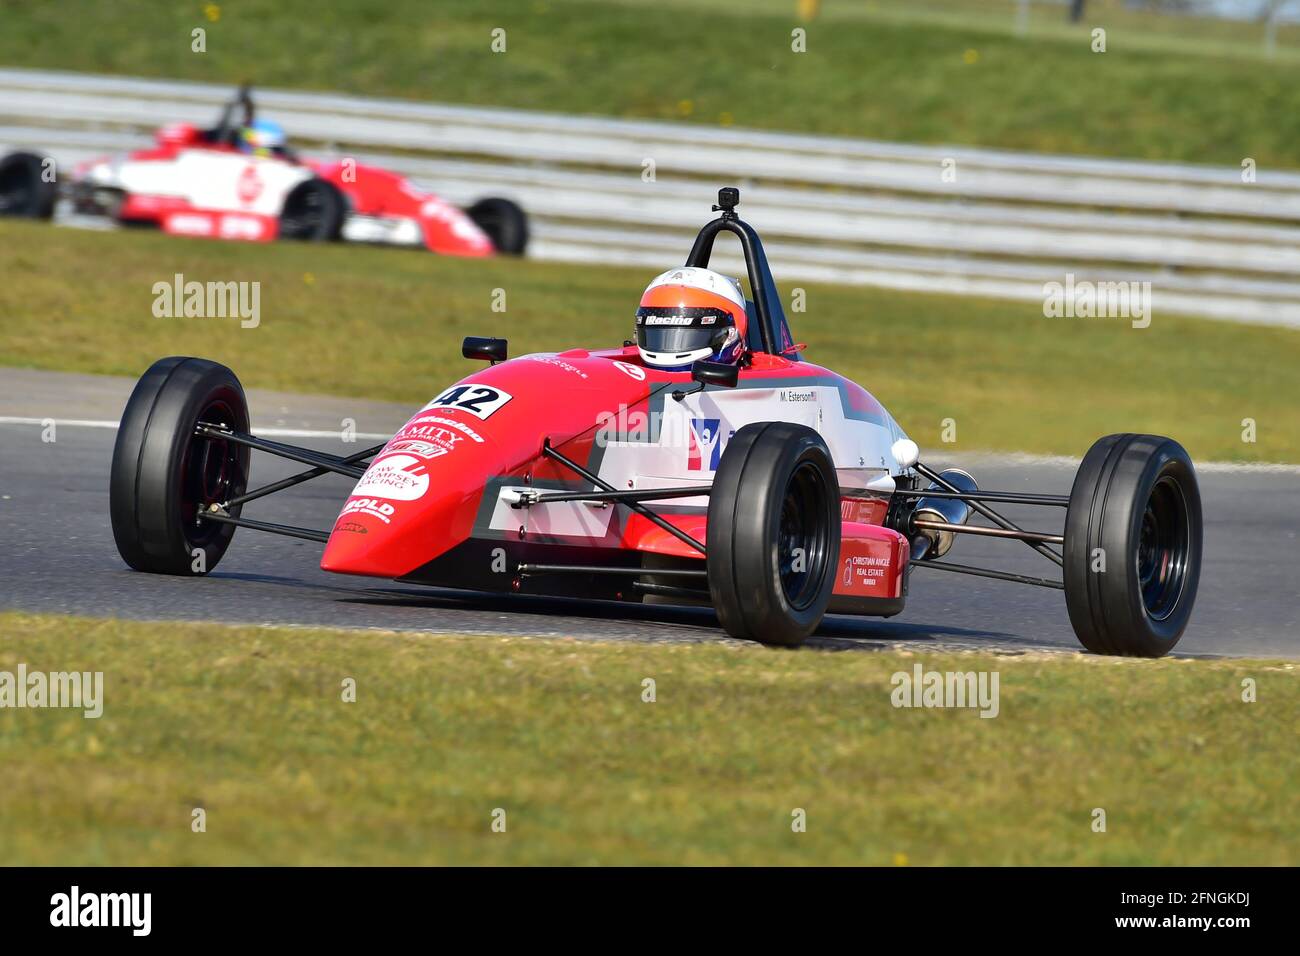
pixel 424 511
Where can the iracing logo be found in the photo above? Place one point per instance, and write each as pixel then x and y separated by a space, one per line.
pixel 704 445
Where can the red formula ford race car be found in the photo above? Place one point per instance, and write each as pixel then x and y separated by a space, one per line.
pixel 769 488
pixel 241 180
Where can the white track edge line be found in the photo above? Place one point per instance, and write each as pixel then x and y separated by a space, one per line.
pixel 1016 458
pixel 257 430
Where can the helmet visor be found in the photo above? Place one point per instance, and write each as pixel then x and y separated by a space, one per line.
pixel 678 331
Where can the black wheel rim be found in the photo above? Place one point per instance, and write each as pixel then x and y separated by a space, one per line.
pixel 304 216
pixel 212 471
pixel 1163 548
pixel 803 538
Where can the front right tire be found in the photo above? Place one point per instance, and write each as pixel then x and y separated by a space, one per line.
pixel 162 475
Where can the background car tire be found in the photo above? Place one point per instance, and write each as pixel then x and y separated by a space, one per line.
pixel 504 222
pixel 162 475
pixel 24 190
pixel 775 491
pixel 313 212
pixel 1135 505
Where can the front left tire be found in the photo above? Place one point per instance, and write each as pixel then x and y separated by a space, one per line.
pixel 162 475
pixel 773 536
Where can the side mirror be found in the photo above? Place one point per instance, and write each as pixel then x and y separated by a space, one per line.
pixel 715 373
pixel 475 347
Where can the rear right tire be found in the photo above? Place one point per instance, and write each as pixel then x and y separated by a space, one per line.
pixel 504 222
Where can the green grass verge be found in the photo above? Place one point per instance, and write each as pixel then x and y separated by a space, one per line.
pixel 1129 26
pixel 868 70
pixel 249 724
pixel 387 324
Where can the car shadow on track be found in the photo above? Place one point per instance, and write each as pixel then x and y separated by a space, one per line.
pixel 672 622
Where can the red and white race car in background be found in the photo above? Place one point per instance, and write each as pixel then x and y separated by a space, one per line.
pixel 197 182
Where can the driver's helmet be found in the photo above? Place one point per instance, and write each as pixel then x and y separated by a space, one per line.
pixel 262 138
pixel 688 314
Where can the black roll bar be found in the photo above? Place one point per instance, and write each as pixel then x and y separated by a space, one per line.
pixel 767 300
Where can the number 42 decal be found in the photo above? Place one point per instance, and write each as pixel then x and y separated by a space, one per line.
pixel 480 400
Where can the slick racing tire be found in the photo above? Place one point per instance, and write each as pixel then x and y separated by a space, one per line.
pixel 1132 546
pixel 504 222
pixel 26 189
pixel 163 476
pixel 313 212
pixel 773 533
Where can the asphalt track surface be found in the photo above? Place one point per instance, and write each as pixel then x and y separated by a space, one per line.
pixel 57 553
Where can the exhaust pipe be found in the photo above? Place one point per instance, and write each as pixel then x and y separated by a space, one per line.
pixel 946 510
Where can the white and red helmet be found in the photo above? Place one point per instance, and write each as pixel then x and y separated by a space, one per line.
pixel 688 314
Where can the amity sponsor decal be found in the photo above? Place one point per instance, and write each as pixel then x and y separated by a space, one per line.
pixel 431 436
pixel 398 474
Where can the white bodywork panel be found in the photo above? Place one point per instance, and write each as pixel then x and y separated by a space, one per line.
pixel 693 433
pixel 688 438
pixel 207 179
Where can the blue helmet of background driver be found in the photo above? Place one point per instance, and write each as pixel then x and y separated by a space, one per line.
pixel 262 138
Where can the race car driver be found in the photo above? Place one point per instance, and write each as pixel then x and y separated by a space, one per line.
pixel 263 138
pixel 689 313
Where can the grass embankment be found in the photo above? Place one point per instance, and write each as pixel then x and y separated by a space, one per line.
pixel 249 724
pixel 387 324
pixel 1166 87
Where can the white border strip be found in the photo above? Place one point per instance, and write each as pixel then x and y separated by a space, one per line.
pixel 994 457
pixel 257 430
pixel 1065 461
